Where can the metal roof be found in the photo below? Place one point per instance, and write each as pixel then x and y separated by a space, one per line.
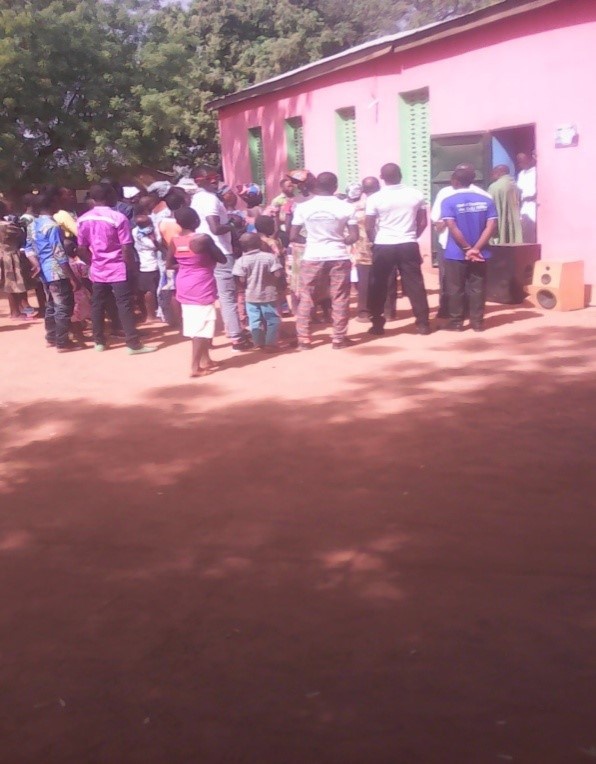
pixel 394 43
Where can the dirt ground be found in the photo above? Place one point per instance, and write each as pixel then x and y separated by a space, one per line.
pixel 383 555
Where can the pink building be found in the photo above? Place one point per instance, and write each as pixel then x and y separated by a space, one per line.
pixel 513 77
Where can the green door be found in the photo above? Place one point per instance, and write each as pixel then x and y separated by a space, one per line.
pixel 347 148
pixel 256 154
pixel 414 134
pixel 295 143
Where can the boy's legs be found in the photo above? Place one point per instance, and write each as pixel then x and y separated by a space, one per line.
pixel 63 300
pixel 339 287
pixel 50 323
pixel 272 322
pixel 253 311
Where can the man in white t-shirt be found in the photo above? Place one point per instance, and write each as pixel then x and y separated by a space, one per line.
pixel 395 219
pixel 443 232
pixel 526 182
pixel 215 223
pixel 326 264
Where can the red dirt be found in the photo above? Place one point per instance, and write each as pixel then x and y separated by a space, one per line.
pixel 375 556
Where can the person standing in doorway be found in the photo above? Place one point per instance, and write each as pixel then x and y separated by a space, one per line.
pixel 105 242
pixel 471 220
pixel 395 220
pixel 215 223
pixel 505 194
pixel 443 234
pixel 526 182
pixel 326 264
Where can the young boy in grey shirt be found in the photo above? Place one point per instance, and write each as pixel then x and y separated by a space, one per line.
pixel 260 272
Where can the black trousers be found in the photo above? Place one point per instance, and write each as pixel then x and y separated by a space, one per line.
pixel 406 258
pixel 466 283
pixel 364 288
pixel 122 292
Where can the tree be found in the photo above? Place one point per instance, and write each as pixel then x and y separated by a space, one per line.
pixel 67 68
pixel 88 85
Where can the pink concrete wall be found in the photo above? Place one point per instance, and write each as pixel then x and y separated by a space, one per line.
pixel 534 69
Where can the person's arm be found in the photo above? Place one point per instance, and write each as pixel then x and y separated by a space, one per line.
pixel 475 252
pixel 295 237
pixel 421 221
pixel 201 242
pixel 171 257
pixel 31 251
pixel 353 234
pixel 35 264
pixel 126 242
pixel 74 278
pixel 370 226
pixel 85 254
pixel 216 227
pixel 457 235
pixel 128 253
pixel 239 272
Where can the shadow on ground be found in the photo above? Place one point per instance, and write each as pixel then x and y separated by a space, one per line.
pixel 304 582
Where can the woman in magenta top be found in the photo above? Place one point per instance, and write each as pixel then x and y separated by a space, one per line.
pixel 195 255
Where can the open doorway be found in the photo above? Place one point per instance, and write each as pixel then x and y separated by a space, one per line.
pixel 485 150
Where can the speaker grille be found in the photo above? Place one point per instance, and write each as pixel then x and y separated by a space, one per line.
pixel 546 279
pixel 546 299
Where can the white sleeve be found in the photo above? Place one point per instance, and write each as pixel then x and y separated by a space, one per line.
pixel 371 207
pixel 435 213
pixel 298 217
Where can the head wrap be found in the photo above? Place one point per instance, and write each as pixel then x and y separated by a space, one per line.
pixel 160 187
pixel 354 192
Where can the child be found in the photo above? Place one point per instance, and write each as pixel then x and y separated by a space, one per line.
pixel 266 228
pixel 147 248
pixel 196 256
pixel 261 272
pixel 82 298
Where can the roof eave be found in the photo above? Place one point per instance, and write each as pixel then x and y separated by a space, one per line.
pixel 386 45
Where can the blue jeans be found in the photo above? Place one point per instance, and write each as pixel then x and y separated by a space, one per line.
pixel 59 308
pixel 226 293
pixel 260 313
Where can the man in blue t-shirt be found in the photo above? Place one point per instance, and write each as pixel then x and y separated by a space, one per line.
pixel 471 219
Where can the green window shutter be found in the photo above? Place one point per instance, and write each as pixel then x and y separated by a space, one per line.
pixel 414 124
pixel 295 143
pixel 257 159
pixel 347 147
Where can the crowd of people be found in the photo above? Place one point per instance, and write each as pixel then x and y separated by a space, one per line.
pixel 171 251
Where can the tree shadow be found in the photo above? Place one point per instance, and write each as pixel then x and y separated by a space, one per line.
pixel 306 580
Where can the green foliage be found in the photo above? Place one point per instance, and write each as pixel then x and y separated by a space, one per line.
pixel 86 85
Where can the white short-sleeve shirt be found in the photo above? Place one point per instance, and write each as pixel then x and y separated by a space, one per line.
pixel 207 205
pixel 324 219
pixel 396 209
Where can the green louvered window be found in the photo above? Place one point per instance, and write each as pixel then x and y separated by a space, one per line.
pixel 295 143
pixel 347 147
pixel 257 159
pixel 414 124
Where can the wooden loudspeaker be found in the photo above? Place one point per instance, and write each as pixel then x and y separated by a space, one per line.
pixel 558 286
